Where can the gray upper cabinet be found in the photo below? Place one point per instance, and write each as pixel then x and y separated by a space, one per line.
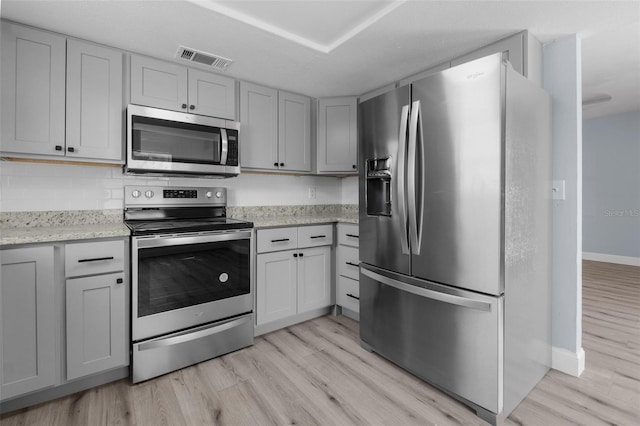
pixel 171 86
pixel 275 129
pixel 33 91
pixel 337 141
pixel 27 332
pixel 60 97
pixel 294 132
pixel 94 101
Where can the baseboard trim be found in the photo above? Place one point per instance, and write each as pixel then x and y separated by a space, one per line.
pixel 611 258
pixel 568 362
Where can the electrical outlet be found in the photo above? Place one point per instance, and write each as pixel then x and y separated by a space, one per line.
pixel 312 192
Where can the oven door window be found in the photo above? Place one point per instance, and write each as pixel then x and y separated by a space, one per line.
pixel 179 276
pixel 172 142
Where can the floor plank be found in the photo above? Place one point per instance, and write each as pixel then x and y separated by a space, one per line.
pixel 316 373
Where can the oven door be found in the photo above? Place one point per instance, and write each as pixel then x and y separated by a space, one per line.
pixel 180 281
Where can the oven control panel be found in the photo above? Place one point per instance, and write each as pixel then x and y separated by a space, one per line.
pixel 159 196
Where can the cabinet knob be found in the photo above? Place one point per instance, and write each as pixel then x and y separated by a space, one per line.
pixel 58 147
pixel 184 106
pixel 295 254
pixel 301 254
pixel 192 107
pixel 281 164
pixel 119 281
pixel 275 164
pixel 354 166
pixel 71 149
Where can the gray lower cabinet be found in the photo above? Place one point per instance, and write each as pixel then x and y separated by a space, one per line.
pixel 27 315
pixel 347 270
pixel 95 307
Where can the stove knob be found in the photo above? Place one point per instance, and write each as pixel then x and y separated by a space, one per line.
pixel 148 194
pixel 208 194
pixel 136 193
pixel 218 194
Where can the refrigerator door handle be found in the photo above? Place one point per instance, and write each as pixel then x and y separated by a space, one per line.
pixel 401 179
pixel 415 133
pixel 429 294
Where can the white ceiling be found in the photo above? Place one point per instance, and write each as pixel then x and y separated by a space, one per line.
pixel 332 48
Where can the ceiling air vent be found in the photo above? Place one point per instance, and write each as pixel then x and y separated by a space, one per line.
pixel 214 61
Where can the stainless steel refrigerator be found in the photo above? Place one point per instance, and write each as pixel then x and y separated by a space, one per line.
pixel 455 196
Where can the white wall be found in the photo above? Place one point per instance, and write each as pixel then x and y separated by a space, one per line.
pixel 611 203
pixel 41 187
pixel 350 190
pixel 562 78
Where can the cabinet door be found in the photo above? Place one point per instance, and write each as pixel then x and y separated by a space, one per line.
pixel 275 286
pixel 95 324
pixel 158 84
pixel 337 137
pixel 94 101
pixel 259 127
pixel 212 94
pixel 27 321
pixel 314 278
pixel 33 92
pixel 294 132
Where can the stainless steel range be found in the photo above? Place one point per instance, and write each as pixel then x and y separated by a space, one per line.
pixel 191 269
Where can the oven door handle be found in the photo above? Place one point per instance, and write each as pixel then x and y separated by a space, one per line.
pixel 165 241
pixel 185 336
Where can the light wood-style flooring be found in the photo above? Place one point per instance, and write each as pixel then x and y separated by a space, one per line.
pixel 316 373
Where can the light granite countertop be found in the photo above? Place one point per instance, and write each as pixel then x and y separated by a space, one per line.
pixel 59 226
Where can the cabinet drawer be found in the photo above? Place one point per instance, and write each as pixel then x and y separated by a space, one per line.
pixel 277 239
pixel 314 236
pixel 348 234
pixel 348 262
pixel 348 294
pixel 94 258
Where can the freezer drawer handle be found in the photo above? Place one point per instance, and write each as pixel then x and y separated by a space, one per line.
pixel 95 259
pixel 351 295
pixel 192 335
pixel 429 294
pixel 281 240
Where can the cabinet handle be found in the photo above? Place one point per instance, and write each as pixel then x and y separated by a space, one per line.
pixel 281 164
pixel 119 281
pixel 184 106
pixel 95 259
pixel 352 296
pixel 281 240
pixel 317 236
pixel 352 264
pixel 58 147
pixel 71 149
pixel 352 235
pixel 301 254
pixel 354 166
pixel 295 254
pixel 275 164
pixel 192 107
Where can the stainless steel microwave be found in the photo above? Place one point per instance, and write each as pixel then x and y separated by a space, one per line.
pixel 162 142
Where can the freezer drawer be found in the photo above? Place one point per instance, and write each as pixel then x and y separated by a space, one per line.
pixel 448 337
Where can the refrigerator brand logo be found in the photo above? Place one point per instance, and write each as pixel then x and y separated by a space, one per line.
pixel 474 75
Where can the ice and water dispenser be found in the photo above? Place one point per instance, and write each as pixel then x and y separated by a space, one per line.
pixel 379 187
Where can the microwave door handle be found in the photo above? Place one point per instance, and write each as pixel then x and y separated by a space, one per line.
pixel 225 147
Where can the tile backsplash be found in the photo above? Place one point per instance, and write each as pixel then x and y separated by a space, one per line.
pixel 49 187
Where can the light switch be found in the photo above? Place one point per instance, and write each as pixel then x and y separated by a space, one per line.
pixel 557 190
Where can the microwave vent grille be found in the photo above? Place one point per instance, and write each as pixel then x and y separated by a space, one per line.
pixel 214 61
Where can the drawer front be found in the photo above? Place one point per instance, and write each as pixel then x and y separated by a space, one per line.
pixel 277 239
pixel 348 234
pixel 348 262
pixel 94 258
pixel 314 236
pixel 348 294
